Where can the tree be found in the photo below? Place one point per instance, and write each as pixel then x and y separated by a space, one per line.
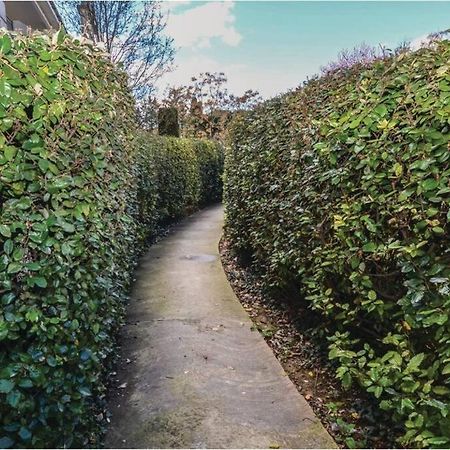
pixel 131 32
pixel 147 113
pixel 362 54
pixel 168 124
pixel 205 106
pixel 210 89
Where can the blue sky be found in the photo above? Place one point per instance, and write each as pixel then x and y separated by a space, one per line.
pixel 272 46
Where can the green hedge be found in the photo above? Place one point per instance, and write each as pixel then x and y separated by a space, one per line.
pixel 341 188
pixel 79 191
pixel 177 176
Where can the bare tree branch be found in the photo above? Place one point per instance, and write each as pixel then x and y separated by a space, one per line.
pixel 131 32
pixel 205 106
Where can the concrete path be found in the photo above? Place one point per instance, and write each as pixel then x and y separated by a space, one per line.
pixel 198 376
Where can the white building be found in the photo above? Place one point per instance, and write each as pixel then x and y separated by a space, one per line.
pixel 22 15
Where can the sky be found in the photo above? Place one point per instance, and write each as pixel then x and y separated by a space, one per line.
pixel 272 46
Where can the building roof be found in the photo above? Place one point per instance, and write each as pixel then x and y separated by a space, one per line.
pixel 38 15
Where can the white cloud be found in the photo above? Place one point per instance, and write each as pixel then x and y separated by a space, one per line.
pixel 197 26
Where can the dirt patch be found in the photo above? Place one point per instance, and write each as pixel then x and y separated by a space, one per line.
pixel 350 416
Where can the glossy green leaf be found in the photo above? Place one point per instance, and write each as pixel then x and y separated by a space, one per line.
pixel 6 386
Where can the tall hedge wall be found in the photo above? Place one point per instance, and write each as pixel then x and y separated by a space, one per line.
pixel 176 177
pixel 342 188
pixel 80 189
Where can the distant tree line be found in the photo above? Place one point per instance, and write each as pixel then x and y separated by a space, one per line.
pixel 204 107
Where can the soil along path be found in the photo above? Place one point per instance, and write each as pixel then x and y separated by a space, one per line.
pixel 198 376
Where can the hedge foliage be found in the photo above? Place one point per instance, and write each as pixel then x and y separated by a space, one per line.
pixel 168 123
pixel 176 177
pixel 342 188
pixel 80 189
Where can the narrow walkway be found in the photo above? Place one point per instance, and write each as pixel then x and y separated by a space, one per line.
pixel 198 376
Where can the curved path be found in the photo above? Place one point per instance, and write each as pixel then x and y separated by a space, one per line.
pixel 197 376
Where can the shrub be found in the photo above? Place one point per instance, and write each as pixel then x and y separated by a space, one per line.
pixel 210 167
pixel 177 175
pixel 342 189
pixel 66 231
pixel 78 194
pixel 168 124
